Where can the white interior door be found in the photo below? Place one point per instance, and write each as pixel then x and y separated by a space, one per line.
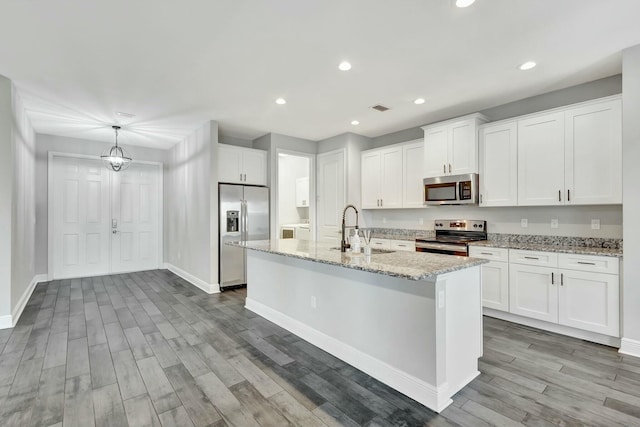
pixel 79 227
pixel 331 195
pixel 100 221
pixel 135 216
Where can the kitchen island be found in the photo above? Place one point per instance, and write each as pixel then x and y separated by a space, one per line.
pixel 412 320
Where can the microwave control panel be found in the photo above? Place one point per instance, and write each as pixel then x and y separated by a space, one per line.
pixel 465 190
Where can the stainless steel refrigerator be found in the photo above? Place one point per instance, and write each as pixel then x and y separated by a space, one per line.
pixel 244 215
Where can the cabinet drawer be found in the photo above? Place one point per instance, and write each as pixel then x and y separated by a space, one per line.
pixel 543 259
pixel 381 243
pixel 590 263
pixel 493 254
pixel 403 245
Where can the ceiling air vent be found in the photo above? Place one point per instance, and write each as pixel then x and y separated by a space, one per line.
pixel 380 108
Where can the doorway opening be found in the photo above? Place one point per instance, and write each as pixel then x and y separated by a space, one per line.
pixel 295 192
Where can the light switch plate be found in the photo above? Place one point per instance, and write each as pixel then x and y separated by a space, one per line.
pixel 524 223
pixel 554 223
pixel 595 224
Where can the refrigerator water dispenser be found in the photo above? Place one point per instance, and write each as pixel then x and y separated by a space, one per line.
pixel 232 221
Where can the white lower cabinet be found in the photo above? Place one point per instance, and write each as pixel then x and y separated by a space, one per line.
pixel 578 291
pixel 533 293
pixel 495 276
pixel 589 301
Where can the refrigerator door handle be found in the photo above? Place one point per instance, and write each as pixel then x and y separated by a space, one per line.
pixel 245 218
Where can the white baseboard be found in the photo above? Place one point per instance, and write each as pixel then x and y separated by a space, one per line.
pixel 553 327
pixel 210 288
pixel 630 347
pixel 434 398
pixel 9 321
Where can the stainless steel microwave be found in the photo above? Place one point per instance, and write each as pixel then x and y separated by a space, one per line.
pixel 451 190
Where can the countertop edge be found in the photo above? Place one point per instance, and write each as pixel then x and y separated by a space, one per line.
pixel 576 250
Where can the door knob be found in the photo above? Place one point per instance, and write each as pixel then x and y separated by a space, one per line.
pixel 114 231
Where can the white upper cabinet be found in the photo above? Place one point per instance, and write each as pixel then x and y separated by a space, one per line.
pixel 242 165
pixel 412 188
pixel 382 178
pixel 392 176
pixel 499 164
pixel 451 148
pixel 541 160
pixel 593 154
pixel 302 192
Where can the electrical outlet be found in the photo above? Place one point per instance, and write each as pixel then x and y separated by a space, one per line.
pixel 314 302
pixel 554 223
pixel 524 223
pixel 441 299
pixel 595 224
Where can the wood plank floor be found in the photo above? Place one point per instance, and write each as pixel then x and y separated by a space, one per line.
pixel 148 349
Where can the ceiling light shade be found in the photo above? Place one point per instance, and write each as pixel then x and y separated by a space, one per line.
pixel 344 66
pixel 527 65
pixel 281 101
pixel 116 158
pixel 418 101
pixel 464 3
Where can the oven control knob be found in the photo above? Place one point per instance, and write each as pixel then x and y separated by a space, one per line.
pixel 480 225
pixel 475 225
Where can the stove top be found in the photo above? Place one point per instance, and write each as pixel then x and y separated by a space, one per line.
pixel 458 231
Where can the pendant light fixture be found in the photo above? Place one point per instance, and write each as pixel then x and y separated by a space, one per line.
pixel 116 158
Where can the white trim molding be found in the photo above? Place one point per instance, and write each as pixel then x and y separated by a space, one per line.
pixel 9 321
pixel 437 398
pixel 210 288
pixel 629 347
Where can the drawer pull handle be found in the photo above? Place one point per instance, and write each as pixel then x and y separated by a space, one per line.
pixel 552 278
pixel 561 279
pixel 586 263
pixel 404 246
pixel 530 257
pixel 486 253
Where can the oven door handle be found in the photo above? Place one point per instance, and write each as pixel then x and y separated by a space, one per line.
pixel 441 246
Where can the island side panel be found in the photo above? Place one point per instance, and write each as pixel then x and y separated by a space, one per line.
pixel 383 325
pixel 459 330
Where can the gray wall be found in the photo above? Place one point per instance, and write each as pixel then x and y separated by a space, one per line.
pixel 6 190
pixel 17 201
pixel 232 140
pixel 190 212
pixel 62 144
pixel 631 195
pixel 584 92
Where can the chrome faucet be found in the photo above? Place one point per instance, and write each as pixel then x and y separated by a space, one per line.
pixel 343 244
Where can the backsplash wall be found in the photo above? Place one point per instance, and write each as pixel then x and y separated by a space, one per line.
pixel 572 220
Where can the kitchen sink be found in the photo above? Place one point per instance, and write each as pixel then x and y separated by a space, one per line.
pixel 373 251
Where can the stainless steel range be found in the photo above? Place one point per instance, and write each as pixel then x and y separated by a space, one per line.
pixel 453 236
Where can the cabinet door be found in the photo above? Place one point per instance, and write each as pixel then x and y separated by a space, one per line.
pixel 499 165
pixel 436 142
pixel 371 175
pixel 302 192
pixel 331 195
pixel 391 178
pixel 541 160
pixel 229 164
pixel 254 167
pixel 412 188
pixel 463 148
pixel 495 285
pixel 589 301
pixel 533 292
pixel 593 153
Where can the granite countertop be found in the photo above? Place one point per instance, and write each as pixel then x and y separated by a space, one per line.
pixel 407 265
pixel 565 249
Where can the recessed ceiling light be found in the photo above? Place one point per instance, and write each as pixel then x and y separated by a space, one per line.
pixel 464 3
pixel 281 101
pixel 419 101
pixel 344 66
pixel 121 114
pixel 527 65
pixel 355 122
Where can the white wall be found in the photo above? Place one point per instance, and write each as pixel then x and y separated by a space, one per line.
pixel 572 220
pixel 61 144
pixel 290 169
pixel 631 198
pixel 190 212
pixel 17 204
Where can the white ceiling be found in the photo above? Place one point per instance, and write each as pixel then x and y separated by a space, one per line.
pixel 177 64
